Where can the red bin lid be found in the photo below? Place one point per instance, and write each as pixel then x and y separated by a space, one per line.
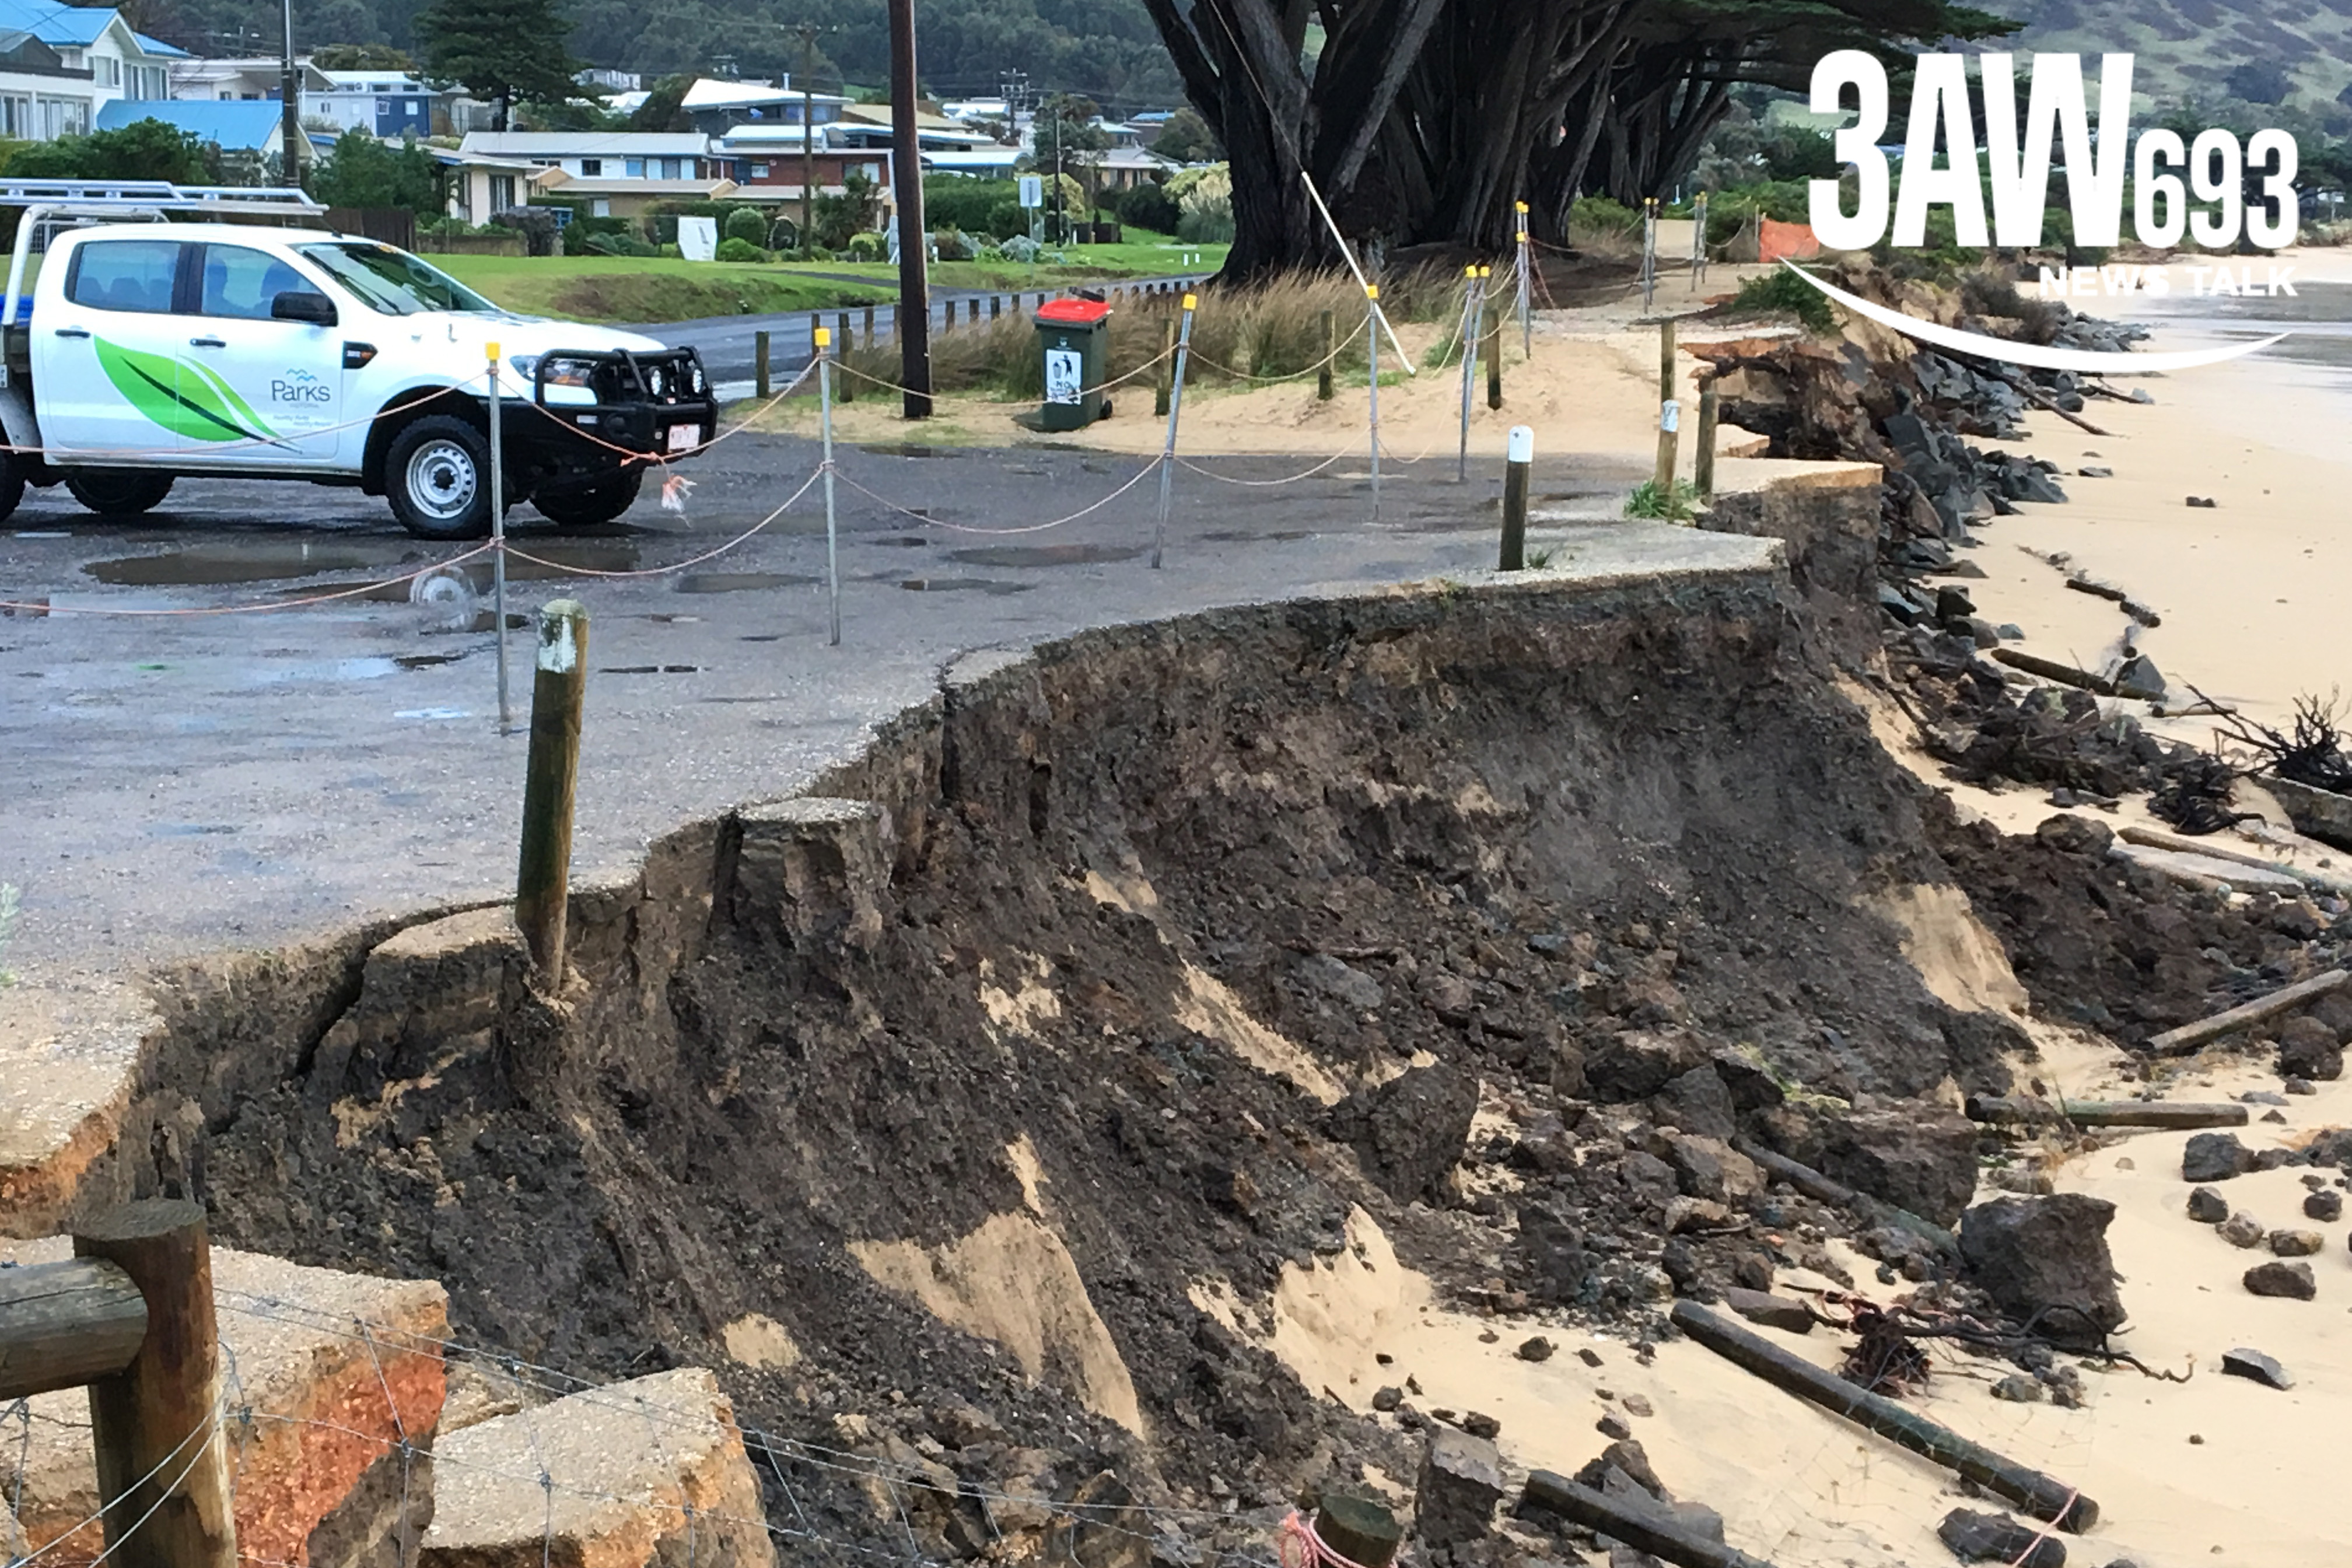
pixel 1072 312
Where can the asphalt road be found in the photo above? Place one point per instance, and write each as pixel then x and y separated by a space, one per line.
pixel 727 342
pixel 181 780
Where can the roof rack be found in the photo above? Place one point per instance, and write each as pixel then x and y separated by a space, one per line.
pixel 120 198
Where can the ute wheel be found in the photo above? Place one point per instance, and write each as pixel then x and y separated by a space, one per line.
pixel 585 506
pixel 436 475
pixel 115 492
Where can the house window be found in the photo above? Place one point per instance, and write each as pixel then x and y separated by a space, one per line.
pixel 383 106
pixel 502 189
pixel 634 167
pixel 600 206
pixel 107 71
pixel 15 118
pixel 759 171
pixel 590 167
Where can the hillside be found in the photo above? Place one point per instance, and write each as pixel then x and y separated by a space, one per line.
pixel 2189 47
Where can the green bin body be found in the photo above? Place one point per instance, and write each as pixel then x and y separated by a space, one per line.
pixel 1074 336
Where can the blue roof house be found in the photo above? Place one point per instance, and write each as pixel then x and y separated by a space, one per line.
pixel 61 64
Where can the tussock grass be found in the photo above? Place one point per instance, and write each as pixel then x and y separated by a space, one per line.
pixel 1269 330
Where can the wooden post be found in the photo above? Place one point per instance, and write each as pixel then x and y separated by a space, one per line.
pixel 845 388
pixel 1813 1185
pixel 1358 1530
pixel 1703 458
pixel 866 337
pixel 65 1324
pixel 914 255
pixel 2044 1497
pixel 1649 1530
pixel 1330 352
pixel 1670 419
pixel 163 1459
pixel 1167 370
pixel 1521 458
pixel 2173 1114
pixel 543 883
pixel 759 363
pixel 1666 359
pixel 1494 349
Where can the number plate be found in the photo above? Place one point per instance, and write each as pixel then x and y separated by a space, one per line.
pixel 683 438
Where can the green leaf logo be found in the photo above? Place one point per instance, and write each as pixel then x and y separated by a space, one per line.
pixel 183 397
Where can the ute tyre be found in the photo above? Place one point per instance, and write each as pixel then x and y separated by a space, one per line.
pixel 588 505
pixel 12 484
pixel 116 492
pixel 436 475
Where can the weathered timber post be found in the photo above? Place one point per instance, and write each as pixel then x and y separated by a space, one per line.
pixel 760 364
pixel 1358 1530
pixel 1522 458
pixel 1494 351
pixel 1703 456
pixel 1330 352
pixel 163 1459
pixel 543 883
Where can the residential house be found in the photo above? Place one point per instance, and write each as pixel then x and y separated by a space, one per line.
pixel 98 60
pixel 250 77
pixel 717 107
pixel 610 174
pixel 767 161
pixel 248 134
pixel 480 185
pixel 391 104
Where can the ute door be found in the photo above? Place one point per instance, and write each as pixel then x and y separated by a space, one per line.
pixel 106 352
pixel 280 374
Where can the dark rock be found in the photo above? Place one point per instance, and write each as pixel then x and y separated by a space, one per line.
pixel 1636 1405
pixel 2215 1157
pixel 1996 1537
pixel 1411 1131
pixel 2138 677
pixel 1321 973
pixel 1696 1102
pixel 2290 1279
pixel 2094 472
pixel 1387 1398
pixel 1557 1257
pixel 2076 836
pixel 1953 604
pixel 1637 1063
pixel 2207 1206
pixel 1649 1181
pixel 1550 944
pixel 2046 1259
pixel 2254 1364
pixel 1917 1156
pixel 2207 502
pixel 1535 1349
pixel 1626 1457
pixel 1612 1425
pixel 1589 1356
pixel 2326 1205
pixel 2010 631
pixel 1461 1481
pixel 1752 1270
pixel 1480 1425
pixel 1773 1311
pixel 2242 1230
pixel 2019 1388
pixel 2297 1243
pixel 2307 1049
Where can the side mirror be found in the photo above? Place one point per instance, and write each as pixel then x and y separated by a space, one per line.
pixel 303 305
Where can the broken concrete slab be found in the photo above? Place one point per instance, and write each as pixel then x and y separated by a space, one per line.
pixel 1461 1481
pixel 68 1055
pixel 334 1385
pixel 635 1470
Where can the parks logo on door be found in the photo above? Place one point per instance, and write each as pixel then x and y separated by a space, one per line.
pixel 190 400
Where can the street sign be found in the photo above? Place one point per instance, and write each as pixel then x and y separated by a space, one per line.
pixel 1033 190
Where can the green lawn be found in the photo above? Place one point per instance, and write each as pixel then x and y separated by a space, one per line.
pixel 648 289
pixel 632 289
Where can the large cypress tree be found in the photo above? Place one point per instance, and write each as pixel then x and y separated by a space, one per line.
pixel 501 50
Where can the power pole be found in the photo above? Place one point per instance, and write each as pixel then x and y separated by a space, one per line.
pixel 289 122
pixel 906 178
pixel 808 137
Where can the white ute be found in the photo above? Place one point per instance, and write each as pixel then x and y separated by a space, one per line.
pixel 156 345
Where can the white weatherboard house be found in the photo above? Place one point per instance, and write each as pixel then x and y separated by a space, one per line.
pixel 60 64
pixel 615 174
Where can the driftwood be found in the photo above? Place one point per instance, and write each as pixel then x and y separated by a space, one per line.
pixel 2176 1115
pixel 1813 1185
pixel 2051 670
pixel 2044 1497
pixel 2152 838
pixel 2179 1042
pixel 2041 399
pixel 1644 1529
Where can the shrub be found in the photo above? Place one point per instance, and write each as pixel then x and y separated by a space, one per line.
pixel 1021 249
pixel 952 244
pixel 734 250
pixel 747 225
pixel 1782 291
pixel 1006 219
pixel 783 234
pixel 867 246
pixel 960 202
pixel 1148 206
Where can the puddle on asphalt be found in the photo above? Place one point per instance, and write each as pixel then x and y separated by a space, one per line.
pixel 1002 555
pixel 906 449
pixel 964 585
pixel 739 582
pixel 1246 536
pixel 648 668
pixel 904 541
pixel 370 667
pixel 242 561
pixel 424 660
